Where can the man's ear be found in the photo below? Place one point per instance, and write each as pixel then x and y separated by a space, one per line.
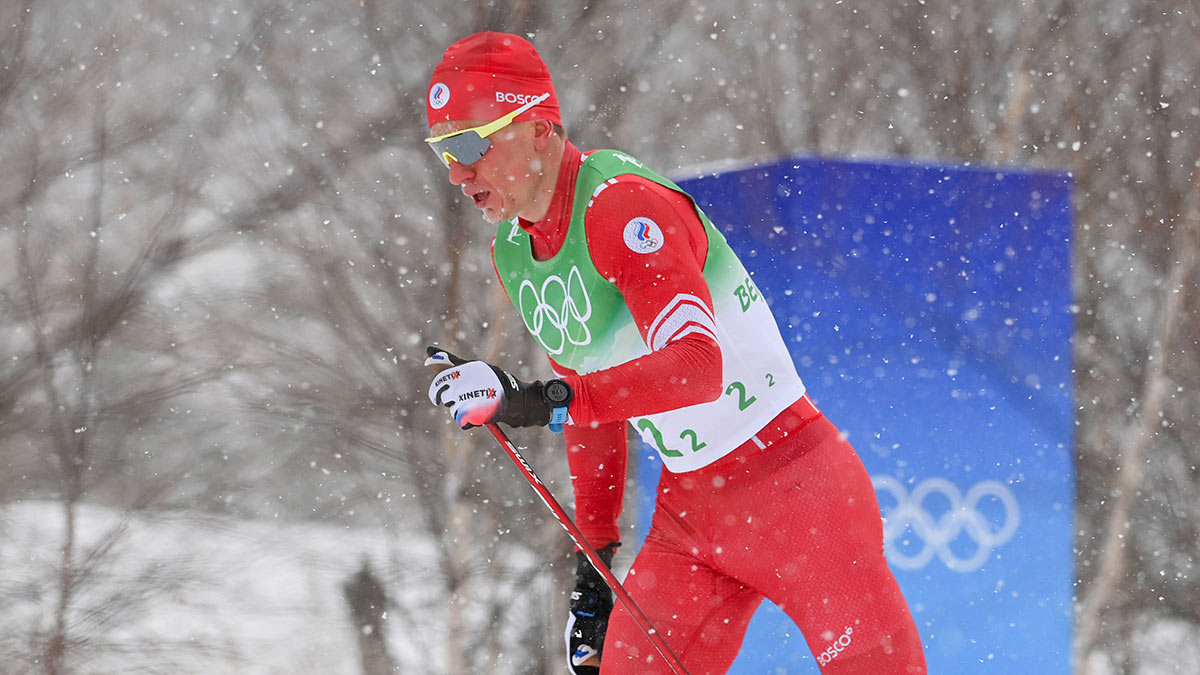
pixel 543 132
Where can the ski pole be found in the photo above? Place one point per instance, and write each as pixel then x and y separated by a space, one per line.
pixel 577 536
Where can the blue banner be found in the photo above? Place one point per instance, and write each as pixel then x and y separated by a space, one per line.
pixel 929 311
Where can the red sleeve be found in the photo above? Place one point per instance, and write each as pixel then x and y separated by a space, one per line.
pixel 596 457
pixel 648 240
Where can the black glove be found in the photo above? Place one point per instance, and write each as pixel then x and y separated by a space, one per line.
pixel 591 605
pixel 479 393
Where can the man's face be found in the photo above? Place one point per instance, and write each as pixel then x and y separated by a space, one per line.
pixel 504 181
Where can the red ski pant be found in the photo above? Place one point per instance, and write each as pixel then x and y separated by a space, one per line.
pixel 797 524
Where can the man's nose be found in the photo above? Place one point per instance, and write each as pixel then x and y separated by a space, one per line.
pixel 459 172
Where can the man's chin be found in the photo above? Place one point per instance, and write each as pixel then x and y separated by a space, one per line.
pixel 494 216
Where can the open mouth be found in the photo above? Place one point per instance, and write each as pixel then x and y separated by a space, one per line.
pixel 480 197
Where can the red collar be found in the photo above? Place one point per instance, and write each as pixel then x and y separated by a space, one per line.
pixel 548 234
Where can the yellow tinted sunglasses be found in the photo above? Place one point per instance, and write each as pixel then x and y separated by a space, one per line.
pixel 469 145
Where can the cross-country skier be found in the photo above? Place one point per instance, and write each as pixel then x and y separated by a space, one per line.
pixel 649 319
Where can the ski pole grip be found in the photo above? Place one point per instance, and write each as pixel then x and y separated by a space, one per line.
pixel 440 359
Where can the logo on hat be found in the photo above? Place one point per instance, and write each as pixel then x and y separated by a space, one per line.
pixel 643 235
pixel 439 96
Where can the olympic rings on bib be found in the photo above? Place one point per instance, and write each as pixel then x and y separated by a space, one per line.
pixel 559 313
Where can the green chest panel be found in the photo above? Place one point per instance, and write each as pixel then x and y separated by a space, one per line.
pixel 574 313
pixel 583 323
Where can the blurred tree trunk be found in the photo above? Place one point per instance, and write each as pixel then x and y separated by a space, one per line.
pixel 1002 145
pixel 1142 434
pixel 459 449
pixel 368 612
pixel 69 385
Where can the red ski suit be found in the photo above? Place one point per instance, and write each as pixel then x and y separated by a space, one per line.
pixel 789 516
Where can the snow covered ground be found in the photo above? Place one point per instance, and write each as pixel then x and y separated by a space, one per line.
pixel 186 593
pixel 1165 646
pixel 183 593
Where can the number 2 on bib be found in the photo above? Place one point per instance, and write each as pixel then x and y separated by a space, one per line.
pixel 661 445
pixel 744 401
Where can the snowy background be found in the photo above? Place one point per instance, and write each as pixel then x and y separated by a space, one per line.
pixel 223 249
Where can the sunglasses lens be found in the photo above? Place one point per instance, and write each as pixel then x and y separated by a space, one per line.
pixel 465 148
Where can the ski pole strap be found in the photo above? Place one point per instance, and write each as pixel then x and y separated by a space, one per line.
pixel 586 575
pixel 558 417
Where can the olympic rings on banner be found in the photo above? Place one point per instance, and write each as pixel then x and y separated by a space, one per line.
pixel 911 518
pixel 559 311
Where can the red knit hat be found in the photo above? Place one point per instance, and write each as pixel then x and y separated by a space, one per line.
pixel 487 75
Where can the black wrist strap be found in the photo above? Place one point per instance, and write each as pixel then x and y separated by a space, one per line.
pixel 586 576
